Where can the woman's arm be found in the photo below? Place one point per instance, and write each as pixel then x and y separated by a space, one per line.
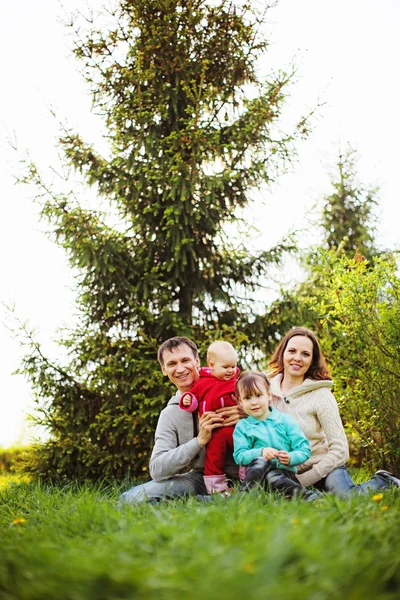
pixel 300 446
pixel 327 412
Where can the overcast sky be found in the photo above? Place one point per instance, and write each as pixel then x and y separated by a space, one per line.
pixel 347 52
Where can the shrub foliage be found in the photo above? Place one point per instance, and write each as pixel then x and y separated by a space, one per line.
pixel 360 312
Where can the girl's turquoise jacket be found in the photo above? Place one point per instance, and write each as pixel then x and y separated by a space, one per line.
pixel 279 431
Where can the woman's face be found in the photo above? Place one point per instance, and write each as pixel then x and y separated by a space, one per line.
pixel 297 357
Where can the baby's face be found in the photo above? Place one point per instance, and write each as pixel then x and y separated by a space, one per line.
pixel 224 365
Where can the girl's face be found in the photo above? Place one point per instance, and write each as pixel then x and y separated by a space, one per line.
pixel 297 357
pixel 256 403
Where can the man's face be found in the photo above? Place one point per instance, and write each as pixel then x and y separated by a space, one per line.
pixel 181 367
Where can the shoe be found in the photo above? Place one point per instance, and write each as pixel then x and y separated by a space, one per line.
pixel 313 497
pixel 210 497
pixel 204 498
pixel 389 477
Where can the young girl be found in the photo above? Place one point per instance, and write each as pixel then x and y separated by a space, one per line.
pixel 268 441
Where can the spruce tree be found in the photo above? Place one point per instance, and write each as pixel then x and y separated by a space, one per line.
pixel 348 218
pixel 347 224
pixel 192 129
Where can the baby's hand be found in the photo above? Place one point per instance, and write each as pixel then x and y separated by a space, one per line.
pixel 186 400
pixel 283 457
pixel 269 453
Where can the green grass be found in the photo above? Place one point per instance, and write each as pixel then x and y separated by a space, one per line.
pixel 75 544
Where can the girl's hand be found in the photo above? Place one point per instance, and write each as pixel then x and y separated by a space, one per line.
pixel 269 453
pixel 186 400
pixel 231 415
pixel 283 457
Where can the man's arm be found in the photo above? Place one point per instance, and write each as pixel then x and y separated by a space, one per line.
pixel 231 415
pixel 168 459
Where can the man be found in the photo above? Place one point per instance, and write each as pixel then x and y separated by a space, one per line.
pixel 177 459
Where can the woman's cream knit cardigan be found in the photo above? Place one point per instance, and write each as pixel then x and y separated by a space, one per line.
pixel 315 409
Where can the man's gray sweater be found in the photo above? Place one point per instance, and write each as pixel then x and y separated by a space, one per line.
pixel 176 449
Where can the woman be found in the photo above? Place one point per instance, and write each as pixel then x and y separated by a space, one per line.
pixel 300 385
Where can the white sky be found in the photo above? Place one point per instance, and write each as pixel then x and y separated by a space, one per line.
pixel 348 55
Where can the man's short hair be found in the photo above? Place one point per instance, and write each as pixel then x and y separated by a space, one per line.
pixel 173 343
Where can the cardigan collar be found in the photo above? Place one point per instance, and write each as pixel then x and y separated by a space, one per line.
pixel 274 415
pixel 308 385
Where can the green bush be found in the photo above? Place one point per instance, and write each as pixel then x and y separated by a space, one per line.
pixel 360 312
pixel 15 459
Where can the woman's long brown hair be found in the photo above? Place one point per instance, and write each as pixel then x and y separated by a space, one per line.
pixel 318 369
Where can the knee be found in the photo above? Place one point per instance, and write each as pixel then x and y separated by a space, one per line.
pixel 339 482
pixel 257 468
pixel 135 495
pixel 259 462
pixel 274 475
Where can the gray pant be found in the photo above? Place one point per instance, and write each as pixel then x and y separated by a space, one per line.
pixel 181 486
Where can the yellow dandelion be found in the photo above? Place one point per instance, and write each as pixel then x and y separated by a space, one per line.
pixel 377 497
pixel 295 521
pixel 384 507
pixel 19 521
pixel 248 568
pixel 259 528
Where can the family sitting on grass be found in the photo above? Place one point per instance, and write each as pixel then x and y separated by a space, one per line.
pixel 284 430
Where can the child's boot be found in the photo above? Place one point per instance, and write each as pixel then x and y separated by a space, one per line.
pixel 215 483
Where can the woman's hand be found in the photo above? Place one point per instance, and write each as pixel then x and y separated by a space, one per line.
pixel 269 453
pixel 231 415
pixel 207 422
pixel 283 457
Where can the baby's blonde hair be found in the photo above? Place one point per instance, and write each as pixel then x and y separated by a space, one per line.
pixel 216 347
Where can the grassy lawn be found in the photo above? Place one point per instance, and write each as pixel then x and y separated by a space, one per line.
pixel 74 543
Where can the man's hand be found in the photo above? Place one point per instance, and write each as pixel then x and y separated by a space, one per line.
pixel 269 453
pixel 207 422
pixel 186 400
pixel 231 415
pixel 283 457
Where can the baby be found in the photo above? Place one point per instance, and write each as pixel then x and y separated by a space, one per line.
pixel 211 391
